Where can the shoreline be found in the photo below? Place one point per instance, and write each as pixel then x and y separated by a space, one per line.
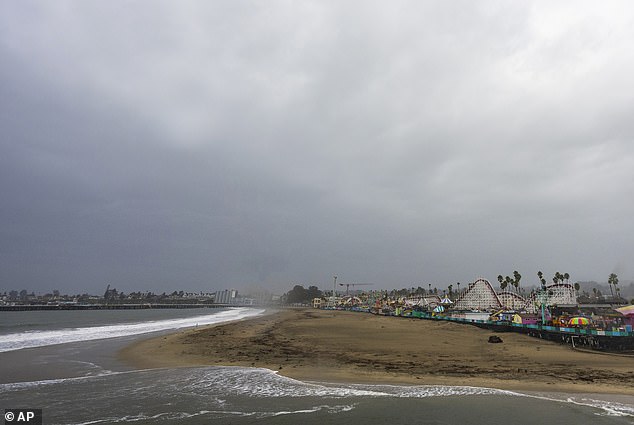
pixel 347 347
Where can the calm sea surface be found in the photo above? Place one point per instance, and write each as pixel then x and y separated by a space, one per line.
pixel 65 364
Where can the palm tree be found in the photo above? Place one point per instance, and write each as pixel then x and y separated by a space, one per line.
pixel 540 275
pixel 566 276
pixel 613 279
pixel 517 277
pixel 615 282
pixel 501 279
pixel 508 281
pixel 503 284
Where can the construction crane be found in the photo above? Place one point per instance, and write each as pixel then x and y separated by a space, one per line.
pixel 348 285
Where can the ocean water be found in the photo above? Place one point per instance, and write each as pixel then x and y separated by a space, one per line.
pixel 114 394
pixel 27 329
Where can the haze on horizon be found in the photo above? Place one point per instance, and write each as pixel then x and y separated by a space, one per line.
pixel 156 145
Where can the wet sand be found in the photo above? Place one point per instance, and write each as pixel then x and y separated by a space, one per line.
pixel 339 346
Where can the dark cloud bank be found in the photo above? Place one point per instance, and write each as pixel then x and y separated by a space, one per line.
pixel 194 145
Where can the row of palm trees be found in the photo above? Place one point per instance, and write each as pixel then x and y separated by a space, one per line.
pixel 557 278
pixel 507 281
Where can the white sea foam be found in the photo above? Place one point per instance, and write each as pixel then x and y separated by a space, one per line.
pixel 30 339
pixel 606 407
pixel 141 417
pixel 329 409
pixel 256 382
pixel 18 386
pixel 176 416
pixel 265 383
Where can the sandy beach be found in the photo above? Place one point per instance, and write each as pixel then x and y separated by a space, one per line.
pixel 339 346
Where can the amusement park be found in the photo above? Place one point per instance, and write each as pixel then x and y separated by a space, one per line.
pixel 550 311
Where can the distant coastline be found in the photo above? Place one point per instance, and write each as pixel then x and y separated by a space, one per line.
pixel 339 346
pixel 70 306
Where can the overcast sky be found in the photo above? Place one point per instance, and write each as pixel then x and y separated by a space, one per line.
pixel 198 145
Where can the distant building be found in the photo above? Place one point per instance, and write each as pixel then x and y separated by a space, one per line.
pixel 227 296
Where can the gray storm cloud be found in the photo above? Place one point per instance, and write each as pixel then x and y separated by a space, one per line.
pixel 197 145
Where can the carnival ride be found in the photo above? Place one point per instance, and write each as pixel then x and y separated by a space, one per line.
pixel 480 295
pixel 556 294
pixel 511 300
pixel 351 301
pixel 429 301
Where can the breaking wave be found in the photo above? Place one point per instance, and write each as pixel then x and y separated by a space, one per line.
pixel 30 339
pixel 217 394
